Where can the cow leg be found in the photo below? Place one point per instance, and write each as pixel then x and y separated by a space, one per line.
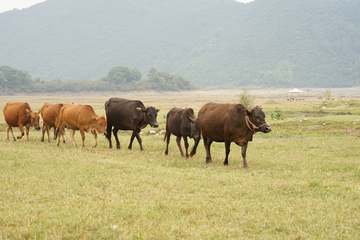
pixel 43 132
pixel 58 130
pixel 115 131
pixel 131 139
pixel 54 134
pixel 27 133
pixel 48 133
pixel 243 153
pixel 136 134
pixel 167 136
pixel 21 132
pixel 72 133
pixel 108 133
pixel 82 132
pixel 95 136
pixel 227 151
pixel 207 144
pixel 186 143
pixel 178 139
pixel 63 135
pixel 8 128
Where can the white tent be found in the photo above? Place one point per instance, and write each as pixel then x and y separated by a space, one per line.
pixel 295 92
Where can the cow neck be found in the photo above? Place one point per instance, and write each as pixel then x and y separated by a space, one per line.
pixel 145 118
pixel 254 127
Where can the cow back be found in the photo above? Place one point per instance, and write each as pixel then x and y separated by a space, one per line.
pixel 16 112
pixel 123 114
pixel 81 116
pixel 223 122
pixel 50 113
pixel 177 122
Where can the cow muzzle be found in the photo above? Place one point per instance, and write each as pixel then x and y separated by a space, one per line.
pixel 265 129
pixel 154 125
pixel 37 128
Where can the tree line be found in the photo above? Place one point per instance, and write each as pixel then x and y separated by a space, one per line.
pixel 119 78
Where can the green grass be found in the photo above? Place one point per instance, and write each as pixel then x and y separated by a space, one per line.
pixel 301 184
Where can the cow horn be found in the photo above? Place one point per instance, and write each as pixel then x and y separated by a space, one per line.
pixel 190 119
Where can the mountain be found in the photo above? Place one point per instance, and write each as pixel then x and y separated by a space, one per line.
pixel 221 43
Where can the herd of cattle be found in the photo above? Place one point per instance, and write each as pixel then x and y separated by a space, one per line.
pixel 215 122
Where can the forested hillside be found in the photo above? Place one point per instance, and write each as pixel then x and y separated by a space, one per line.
pixel 223 43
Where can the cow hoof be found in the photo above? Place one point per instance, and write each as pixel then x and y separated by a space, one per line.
pixel 42 139
pixel 225 164
pixel 14 140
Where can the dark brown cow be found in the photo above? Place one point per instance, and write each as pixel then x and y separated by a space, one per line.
pixel 83 118
pixel 50 114
pixel 230 123
pixel 19 114
pixel 182 123
pixel 124 114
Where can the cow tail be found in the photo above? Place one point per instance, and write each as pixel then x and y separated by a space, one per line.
pixel 106 107
pixel 193 150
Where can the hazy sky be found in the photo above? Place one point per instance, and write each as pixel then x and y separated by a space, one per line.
pixel 6 5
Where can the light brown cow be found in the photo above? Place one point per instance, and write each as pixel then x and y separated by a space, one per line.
pixel 83 118
pixel 50 115
pixel 19 114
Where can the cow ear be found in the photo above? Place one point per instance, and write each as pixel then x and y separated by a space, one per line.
pixel 190 119
pixel 140 109
pixel 158 110
pixel 39 112
pixel 247 112
pixel 93 119
pixel 28 111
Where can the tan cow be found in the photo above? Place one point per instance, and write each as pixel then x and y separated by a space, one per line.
pixel 50 115
pixel 83 118
pixel 19 114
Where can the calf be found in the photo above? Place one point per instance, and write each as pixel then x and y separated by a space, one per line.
pixel 83 118
pixel 50 114
pixel 182 123
pixel 230 123
pixel 19 114
pixel 124 114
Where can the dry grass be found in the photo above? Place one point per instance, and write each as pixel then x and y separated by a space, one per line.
pixel 298 186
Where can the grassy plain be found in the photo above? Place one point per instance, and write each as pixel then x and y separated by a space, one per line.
pixel 303 180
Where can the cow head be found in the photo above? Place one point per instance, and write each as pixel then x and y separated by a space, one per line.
pixel 195 127
pixel 34 118
pixel 99 124
pixel 257 120
pixel 150 115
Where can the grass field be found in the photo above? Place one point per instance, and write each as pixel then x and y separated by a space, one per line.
pixel 302 181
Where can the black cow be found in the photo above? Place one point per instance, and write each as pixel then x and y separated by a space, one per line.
pixel 124 114
pixel 230 123
pixel 182 123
